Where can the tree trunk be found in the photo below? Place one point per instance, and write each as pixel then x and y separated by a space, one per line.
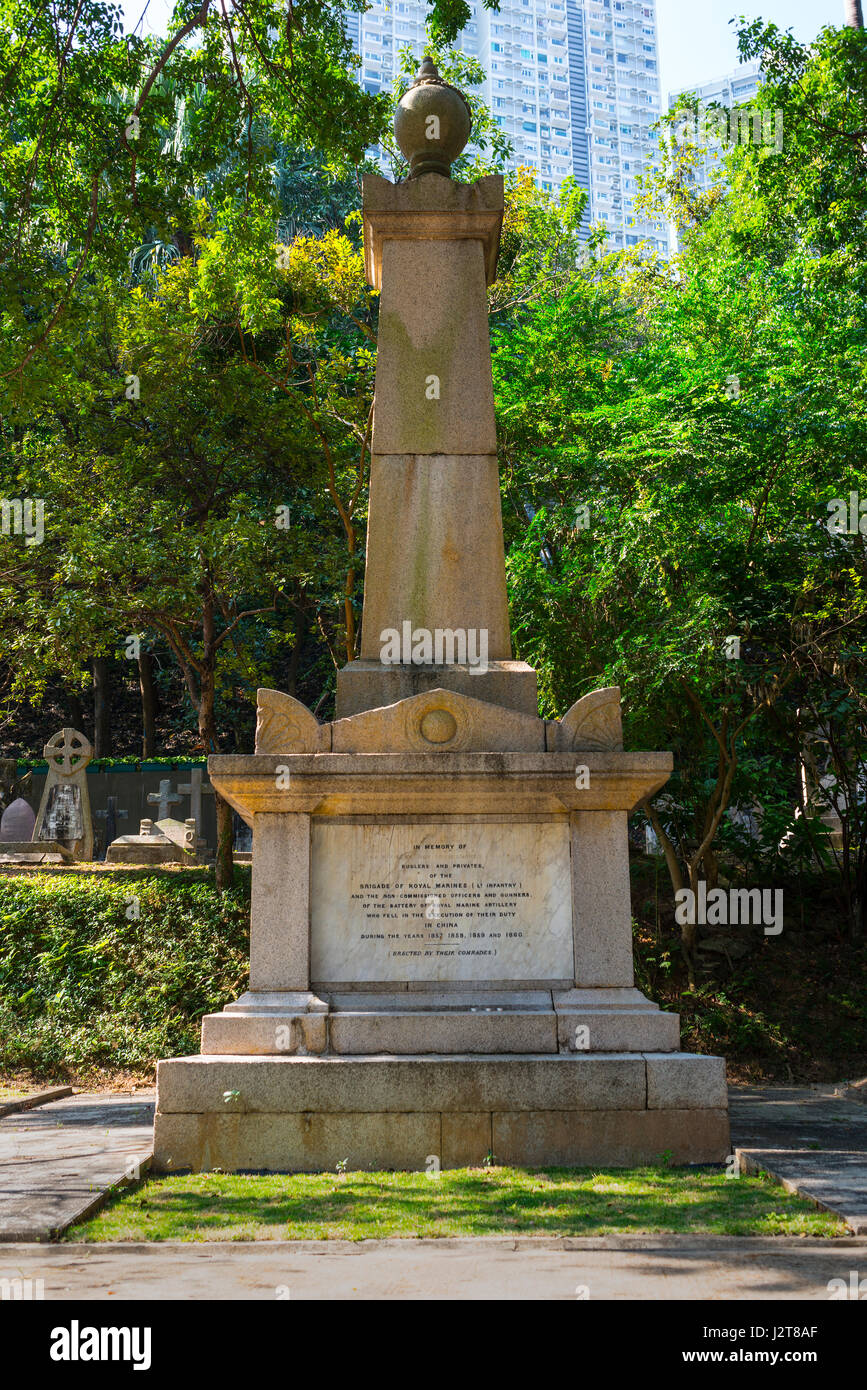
pixel 76 710
pixel 853 15
pixel 224 866
pixel 148 704
pixel 301 626
pixel 101 732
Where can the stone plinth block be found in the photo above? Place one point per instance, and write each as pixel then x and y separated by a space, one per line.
pixel 685 1081
pixel 435 550
pixel 250 1035
pixel 619 1139
pixel 292 1114
pixel 198 1085
pixel 413 1033
pixel 617 1030
pixel 367 685
pixel 300 1143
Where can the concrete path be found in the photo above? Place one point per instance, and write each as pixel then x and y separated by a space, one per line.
pixel 58 1162
pixel 809 1138
pixel 613 1267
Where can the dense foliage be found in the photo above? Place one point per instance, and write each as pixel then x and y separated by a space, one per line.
pixel 103 975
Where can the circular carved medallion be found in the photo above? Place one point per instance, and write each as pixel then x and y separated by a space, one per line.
pixel 438 726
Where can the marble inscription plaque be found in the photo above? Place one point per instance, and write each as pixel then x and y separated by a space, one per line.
pixel 440 902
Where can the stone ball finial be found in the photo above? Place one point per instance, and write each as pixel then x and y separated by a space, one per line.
pixel 432 123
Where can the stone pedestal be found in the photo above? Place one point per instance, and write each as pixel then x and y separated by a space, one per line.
pixel 441 962
pixel 441 935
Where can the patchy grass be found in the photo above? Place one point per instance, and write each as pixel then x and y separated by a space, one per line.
pixel 16 1092
pixel 460 1202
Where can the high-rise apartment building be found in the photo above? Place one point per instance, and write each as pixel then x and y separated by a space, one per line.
pixel 734 89
pixel 573 83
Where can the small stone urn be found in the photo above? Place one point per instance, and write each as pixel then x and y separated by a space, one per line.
pixel 432 123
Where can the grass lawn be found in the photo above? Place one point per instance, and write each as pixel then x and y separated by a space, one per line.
pixel 460 1202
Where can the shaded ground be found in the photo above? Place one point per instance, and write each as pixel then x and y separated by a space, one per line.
pixel 57 1162
pixel 619 1267
pixel 813 1141
pixel 781 1009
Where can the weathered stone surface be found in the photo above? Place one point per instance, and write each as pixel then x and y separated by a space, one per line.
pixel 441 721
pixel 318 1142
pixel 399 996
pixel 17 822
pixel 294 1143
pixel 267 1002
pixel 334 1084
pixel 284 725
pixel 433 393
pixel 603 998
pixel 29 852
pixel 280 905
pixel 440 902
pixel 430 784
pixel 429 209
pixel 618 1030
pixel 685 1081
pixel 239 1034
pixel 435 544
pixel 601 908
pixel 64 810
pixel 144 849
pixel 568 1138
pixel 594 723
pixel 363 685
pixel 416 1033
pixel 181 833
pixel 467 1140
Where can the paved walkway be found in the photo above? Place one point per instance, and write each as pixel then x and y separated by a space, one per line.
pixel 614 1267
pixel 57 1162
pixel 811 1139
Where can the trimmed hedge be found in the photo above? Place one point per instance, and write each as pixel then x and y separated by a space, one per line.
pixel 89 988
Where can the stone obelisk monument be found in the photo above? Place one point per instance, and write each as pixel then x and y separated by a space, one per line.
pixel 441 940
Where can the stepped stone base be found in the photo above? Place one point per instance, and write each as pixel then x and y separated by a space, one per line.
pixel 416 1022
pixel 307 1113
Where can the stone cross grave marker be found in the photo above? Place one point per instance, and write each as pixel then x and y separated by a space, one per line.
pixel 64 811
pixel 164 798
pixel 196 788
pixel 111 815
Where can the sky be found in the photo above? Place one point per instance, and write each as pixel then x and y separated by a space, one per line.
pixel 696 41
